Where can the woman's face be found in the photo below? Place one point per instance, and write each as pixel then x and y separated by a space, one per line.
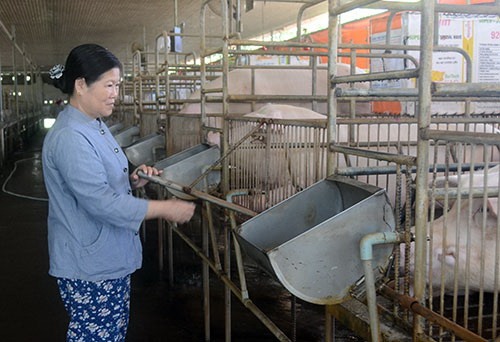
pixel 98 99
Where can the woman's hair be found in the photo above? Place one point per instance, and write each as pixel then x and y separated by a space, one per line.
pixel 87 61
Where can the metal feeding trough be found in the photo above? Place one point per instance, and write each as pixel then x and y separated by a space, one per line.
pixel 311 241
pixel 146 150
pixel 127 136
pixel 116 127
pixel 187 166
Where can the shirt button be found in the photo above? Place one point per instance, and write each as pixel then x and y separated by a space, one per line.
pixel 102 132
pixel 129 191
pixel 125 169
pixel 136 233
pixel 116 150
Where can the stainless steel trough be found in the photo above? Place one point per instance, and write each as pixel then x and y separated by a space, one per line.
pixel 311 241
pixel 146 150
pixel 116 127
pixel 127 136
pixel 187 166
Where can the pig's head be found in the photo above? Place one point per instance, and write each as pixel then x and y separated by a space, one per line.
pixel 458 245
pixel 464 237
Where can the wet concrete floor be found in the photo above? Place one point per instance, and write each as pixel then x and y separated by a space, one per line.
pixel 31 310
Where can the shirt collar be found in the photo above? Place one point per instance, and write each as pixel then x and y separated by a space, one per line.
pixel 78 115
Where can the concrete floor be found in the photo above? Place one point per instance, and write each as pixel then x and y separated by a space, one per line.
pixel 31 310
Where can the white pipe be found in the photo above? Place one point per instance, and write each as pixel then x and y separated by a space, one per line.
pixel 366 255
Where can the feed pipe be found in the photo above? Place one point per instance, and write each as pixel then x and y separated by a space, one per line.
pixel 366 254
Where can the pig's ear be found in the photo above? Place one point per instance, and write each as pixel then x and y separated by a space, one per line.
pixel 441 183
pixel 495 169
pixel 493 174
pixel 213 138
pixel 493 206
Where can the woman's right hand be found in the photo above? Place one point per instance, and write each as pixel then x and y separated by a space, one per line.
pixel 173 210
pixel 179 211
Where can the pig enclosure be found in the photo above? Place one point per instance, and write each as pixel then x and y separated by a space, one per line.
pixel 452 266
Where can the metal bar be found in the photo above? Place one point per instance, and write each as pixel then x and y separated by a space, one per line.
pixel 227 290
pixel 199 194
pixel 466 89
pixel 413 120
pixel 333 45
pixel 267 98
pixel 205 270
pixel 300 14
pixel 237 248
pixel 14 43
pixel 413 305
pixel 170 244
pixel 213 236
pixel 351 5
pixel 440 193
pixel 375 76
pixel 250 42
pixel 387 96
pixel 471 137
pixel 406 6
pixel 382 92
pixel 424 119
pixel 390 157
pixel 392 169
pixel 366 255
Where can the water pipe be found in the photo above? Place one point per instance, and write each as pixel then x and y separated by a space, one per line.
pixel 366 254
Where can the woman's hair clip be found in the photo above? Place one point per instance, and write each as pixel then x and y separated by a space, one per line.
pixel 56 71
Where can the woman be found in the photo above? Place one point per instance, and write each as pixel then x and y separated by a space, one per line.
pixel 93 219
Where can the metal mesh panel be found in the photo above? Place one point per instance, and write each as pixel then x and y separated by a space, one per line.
pixel 276 161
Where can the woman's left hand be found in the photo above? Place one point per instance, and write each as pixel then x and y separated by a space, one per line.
pixel 138 182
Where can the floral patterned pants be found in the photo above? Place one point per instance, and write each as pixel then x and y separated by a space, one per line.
pixel 99 311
